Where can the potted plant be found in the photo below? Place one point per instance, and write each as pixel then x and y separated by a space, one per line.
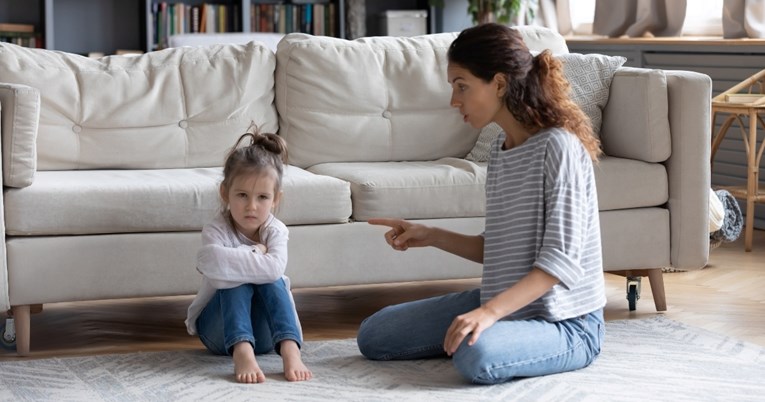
pixel 502 11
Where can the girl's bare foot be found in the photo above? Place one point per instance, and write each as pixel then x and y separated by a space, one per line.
pixel 294 369
pixel 246 369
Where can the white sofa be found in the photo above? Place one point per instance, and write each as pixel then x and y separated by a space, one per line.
pixel 111 166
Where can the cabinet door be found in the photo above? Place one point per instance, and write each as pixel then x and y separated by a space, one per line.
pixel 85 26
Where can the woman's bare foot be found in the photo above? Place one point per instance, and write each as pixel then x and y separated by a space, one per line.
pixel 246 369
pixel 294 369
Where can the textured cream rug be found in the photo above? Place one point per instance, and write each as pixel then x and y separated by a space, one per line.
pixel 649 359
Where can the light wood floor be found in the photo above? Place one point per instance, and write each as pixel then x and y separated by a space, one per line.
pixel 728 296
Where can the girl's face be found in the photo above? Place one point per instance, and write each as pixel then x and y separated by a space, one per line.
pixel 477 100
pixel 251 199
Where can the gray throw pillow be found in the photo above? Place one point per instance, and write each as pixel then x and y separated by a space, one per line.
pixel 590 77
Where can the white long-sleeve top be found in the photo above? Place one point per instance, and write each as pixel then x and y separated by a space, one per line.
pixel 228 259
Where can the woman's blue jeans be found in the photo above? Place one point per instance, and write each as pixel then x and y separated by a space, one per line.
pixel 263 315
pixel 506 350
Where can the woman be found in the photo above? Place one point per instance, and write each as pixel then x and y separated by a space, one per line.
pixel 539 309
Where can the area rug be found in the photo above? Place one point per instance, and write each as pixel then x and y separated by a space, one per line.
pixel 642 359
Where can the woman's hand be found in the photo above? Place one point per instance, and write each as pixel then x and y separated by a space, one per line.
pixel 403 234
pixel 473 322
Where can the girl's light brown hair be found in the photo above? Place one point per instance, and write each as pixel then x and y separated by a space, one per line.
pixel 537 90
pixel 255 153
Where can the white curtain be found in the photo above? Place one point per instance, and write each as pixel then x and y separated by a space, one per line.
pixel 637 18
pixel 743 19
pixel 554 14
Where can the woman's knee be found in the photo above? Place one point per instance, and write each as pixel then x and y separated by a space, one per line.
pixel 475 363
pixel 372 336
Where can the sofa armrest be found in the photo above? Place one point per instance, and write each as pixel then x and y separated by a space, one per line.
pixel 688 168
pixel 20 108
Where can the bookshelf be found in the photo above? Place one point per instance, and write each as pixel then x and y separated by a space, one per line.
pixel 318 17
pixel 108 26
pixel 16 23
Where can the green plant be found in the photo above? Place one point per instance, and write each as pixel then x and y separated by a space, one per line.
pixel 502 11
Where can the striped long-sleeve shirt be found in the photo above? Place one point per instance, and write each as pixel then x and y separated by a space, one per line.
pixel 542 211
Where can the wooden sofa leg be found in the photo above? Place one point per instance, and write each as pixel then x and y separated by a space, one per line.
pixel 21 319
pixel 656 278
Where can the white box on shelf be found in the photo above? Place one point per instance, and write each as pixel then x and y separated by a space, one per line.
pixel 404 22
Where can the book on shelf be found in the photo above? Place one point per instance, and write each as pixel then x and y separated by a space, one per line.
pixel 11 27
pixel 315 17
pixel 20 34
pixel 178 18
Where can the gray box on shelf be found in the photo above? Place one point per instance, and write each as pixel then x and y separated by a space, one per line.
pixel 404 22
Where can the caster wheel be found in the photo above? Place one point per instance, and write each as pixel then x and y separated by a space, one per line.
pixel 633 291
pixel 8 334
pixel 632 297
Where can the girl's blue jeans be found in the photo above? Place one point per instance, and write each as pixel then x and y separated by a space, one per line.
pixel 263 315
pixel 504 351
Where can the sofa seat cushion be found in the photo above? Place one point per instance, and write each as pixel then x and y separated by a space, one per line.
pixel 162 200
pixel 444 188
pixel 628 183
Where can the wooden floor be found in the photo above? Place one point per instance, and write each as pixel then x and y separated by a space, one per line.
pixel 728 296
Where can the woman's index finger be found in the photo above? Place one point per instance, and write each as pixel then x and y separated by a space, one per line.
pixel 393 223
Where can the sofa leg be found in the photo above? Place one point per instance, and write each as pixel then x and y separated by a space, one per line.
pixel 656 278
pixel 21 318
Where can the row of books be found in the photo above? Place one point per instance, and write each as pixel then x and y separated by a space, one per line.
pixel 311 18
pixel 317 18
pixel 177 18
pixel 20 34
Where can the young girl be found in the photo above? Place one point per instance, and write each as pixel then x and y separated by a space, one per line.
pixel 244 306
pixel 539 308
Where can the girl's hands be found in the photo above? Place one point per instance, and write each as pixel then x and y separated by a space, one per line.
pixel 473 322
pixel 403 234
pixel 260 247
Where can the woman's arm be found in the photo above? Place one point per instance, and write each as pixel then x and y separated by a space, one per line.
pixel 404 234
pixel 535 284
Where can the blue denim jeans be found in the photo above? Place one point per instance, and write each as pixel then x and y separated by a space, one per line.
pixel 263 315
pixel 506 350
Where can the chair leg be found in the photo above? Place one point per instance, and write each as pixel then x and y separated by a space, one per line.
pixel 21 318
pixel 656 278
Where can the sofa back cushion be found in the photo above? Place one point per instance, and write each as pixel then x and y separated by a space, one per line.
pixel 173 108
pixel 636 119
pixel 373 99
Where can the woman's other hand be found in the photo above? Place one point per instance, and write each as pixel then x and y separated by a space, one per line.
pixel 472 323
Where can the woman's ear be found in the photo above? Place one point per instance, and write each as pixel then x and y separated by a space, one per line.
pixel 500 81
pixel 223 193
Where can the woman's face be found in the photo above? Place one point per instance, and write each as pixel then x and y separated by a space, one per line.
pixel 477 100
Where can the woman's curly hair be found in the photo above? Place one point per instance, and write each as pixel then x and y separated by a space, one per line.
pixel 538 93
